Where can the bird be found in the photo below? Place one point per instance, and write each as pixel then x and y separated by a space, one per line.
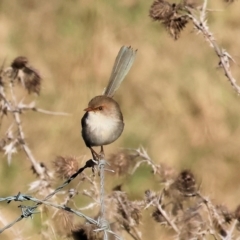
pixel 103 122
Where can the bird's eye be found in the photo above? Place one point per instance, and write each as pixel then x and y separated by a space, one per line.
pixel 100 108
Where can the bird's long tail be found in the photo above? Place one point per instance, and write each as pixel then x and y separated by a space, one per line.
pixel 121 67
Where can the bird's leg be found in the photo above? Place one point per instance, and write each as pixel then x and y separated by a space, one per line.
pixel 101 154
pixel 94 154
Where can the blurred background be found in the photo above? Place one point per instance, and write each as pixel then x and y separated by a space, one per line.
pixel 176 102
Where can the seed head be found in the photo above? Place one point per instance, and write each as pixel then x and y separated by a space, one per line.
pixel 19 62
pixel 120 162
pixel 26 74
pixel 65 167
pixel 64 221
pixel 175 24
pixel 160 10
pixel 170 15
pixel 186 183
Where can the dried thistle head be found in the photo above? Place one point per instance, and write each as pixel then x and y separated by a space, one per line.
pixel 186 183
pixel 19 62
pixel 64 221
pixel 32 80
pixel 170 15
pixel 120 162
pixel 175 24
pixel 26 74
pixel 65 167
pixel 160 10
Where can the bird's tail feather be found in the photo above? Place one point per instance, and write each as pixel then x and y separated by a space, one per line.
pixel 121 67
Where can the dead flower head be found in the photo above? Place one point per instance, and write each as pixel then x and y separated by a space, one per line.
pixel 175 24
pixel 186 183
pixel 26 74
pixel 120 162
pixel 65 167
pixel 160 10
pixel 170 16
pixel 19 62
pixel 64 221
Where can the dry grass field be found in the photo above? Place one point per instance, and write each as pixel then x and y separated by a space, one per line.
pixel 176 102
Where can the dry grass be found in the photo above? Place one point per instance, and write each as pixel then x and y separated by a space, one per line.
pixel 175 101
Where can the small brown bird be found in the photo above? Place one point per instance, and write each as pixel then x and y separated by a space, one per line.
pixel 103 123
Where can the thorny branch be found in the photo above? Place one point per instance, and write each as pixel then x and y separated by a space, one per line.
pixel 28 152
pixel 143 155
pixel 224 56
pixel 161 210
pixel 123 206
pixel 175 16
pixel 30 79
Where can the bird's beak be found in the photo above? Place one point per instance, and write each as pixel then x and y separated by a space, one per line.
pixel 88 109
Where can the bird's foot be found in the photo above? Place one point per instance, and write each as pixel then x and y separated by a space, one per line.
pixel 101 154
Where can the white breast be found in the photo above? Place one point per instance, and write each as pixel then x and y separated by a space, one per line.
pixel 102 129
